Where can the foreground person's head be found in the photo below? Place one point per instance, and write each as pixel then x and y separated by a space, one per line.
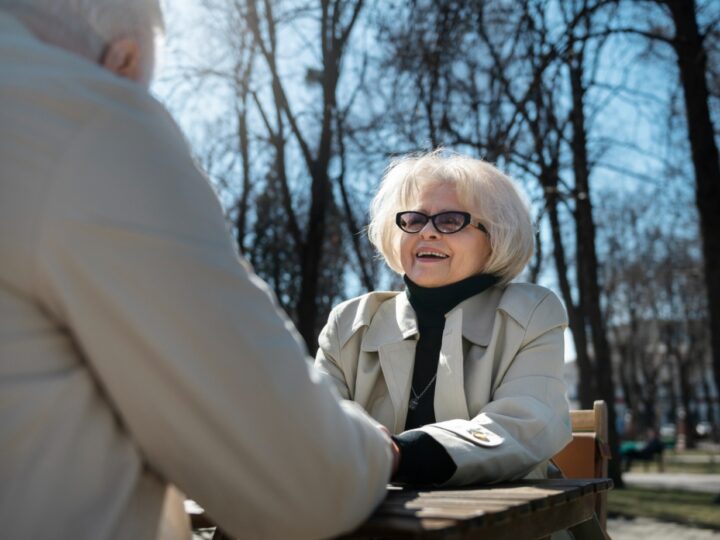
pixel 440 218
pixel 120 35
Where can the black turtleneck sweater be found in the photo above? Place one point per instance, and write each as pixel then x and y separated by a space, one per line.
pixel 424 460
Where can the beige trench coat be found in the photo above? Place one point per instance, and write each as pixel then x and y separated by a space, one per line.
pixel 500 403
pixel 137 352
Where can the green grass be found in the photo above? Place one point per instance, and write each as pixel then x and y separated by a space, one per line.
pixel 687 461
pixel 696 509
pixel 673 467
pixel 691 468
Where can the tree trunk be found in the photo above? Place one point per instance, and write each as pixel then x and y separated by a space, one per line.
pixel 637 359
pixel 626 383
pixel 311 258
pixel 683 367
pixel 355 231
pixel 692 63
pixel 710 406
pixel 673 400
pixel 588 265
pixel 333 39
pixel 577 326
pixel 320 193
pixel 242 204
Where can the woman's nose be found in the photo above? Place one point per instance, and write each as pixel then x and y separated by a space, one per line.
pixel 429 230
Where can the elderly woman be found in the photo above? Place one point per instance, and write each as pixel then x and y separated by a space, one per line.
pixel 463 366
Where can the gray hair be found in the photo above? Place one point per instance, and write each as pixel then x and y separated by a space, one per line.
pixel 87 26
pixel 490 196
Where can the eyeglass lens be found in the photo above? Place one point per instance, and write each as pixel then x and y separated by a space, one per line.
pixel 445 222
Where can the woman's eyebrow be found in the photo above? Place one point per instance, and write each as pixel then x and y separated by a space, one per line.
pixel 441 211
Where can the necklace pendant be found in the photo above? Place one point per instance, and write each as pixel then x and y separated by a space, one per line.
pixel 413 404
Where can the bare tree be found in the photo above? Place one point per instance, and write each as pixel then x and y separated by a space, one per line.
pixel 278 149
pixel 692 63
pixel 336 22
pixel 655 303
pixel 691 43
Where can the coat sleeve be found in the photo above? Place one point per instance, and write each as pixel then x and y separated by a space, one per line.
pixel 205 373
pixel 527 420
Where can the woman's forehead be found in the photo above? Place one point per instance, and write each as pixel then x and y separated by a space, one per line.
pixel 435 193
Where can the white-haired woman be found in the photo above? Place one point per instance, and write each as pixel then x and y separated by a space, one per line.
pixel 464 367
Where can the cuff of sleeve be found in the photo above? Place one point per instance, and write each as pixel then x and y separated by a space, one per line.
pixel 423 460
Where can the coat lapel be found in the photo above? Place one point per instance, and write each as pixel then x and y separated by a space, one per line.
pixel 389 334
pixel 450 401
pixel 479 315
pixel 472 320
pixel 396 361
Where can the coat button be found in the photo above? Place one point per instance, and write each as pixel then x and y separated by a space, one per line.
pixel 481 436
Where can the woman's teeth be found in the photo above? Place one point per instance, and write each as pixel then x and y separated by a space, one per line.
pixel 431 254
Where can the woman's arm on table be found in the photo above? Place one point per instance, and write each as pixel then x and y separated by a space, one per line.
pixel 527 420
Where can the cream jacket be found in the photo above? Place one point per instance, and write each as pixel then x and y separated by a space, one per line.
pixel 137 351
pixel 499 399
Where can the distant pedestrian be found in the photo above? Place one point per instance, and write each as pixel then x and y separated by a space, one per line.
pixel 651 449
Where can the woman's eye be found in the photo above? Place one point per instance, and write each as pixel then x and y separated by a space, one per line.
pixel 451 220
pixel 414 220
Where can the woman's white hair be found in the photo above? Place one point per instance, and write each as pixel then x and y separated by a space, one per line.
pixel 87 26
pixel 491 197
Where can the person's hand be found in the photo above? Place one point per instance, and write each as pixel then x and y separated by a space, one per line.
pixel 395 450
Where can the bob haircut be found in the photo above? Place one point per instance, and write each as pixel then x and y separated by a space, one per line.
pixel 491 197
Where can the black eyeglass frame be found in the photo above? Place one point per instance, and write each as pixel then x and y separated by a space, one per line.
pixel 467 220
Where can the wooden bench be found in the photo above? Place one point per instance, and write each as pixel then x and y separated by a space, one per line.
pixel 587 455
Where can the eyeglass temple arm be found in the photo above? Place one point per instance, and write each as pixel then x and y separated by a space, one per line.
pixel 481 227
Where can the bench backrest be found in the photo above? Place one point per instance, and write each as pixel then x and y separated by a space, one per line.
pixel 586 456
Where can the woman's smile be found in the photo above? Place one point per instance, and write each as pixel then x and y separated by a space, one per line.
pixel 430 255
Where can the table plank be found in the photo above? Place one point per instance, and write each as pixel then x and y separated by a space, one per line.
pixel 526 509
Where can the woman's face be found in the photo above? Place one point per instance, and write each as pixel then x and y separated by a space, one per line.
pixel 432 259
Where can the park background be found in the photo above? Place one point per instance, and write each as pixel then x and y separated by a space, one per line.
pixel 607 112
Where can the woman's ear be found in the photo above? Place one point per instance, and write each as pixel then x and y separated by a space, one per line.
pixel 122 57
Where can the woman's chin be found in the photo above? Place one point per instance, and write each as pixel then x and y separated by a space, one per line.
pixel 427 279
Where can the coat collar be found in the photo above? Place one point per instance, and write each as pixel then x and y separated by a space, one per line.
pixel 392 333
pixel 479 315
pixel 393 322
pixel 396 321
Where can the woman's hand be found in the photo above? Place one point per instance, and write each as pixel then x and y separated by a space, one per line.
pixel 395 450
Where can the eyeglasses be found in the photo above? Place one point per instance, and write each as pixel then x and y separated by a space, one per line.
pixel 444 222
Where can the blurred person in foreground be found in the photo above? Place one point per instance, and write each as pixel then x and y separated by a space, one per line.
pixel 138 353
pixel 464 366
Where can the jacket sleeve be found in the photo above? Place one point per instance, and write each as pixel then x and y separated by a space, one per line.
pixel 204 372
pixel 327 357
pixel 527 420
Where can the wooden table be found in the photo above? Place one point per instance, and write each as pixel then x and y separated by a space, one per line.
pixel 521 510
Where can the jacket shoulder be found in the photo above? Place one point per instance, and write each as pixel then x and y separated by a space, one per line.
pixel 72 94
pixel 530 305
pixel 353 314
